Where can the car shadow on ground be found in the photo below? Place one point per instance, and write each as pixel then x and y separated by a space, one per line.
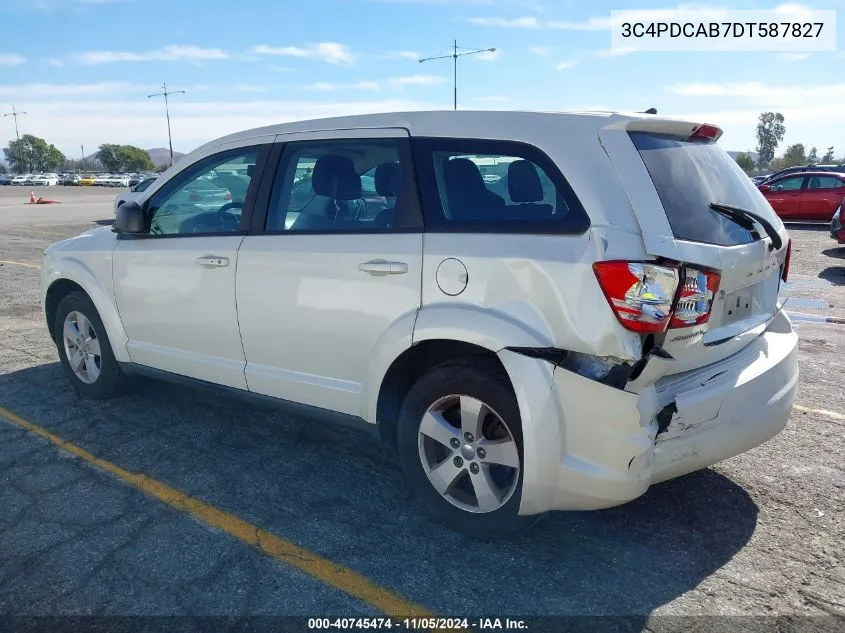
pixel 834 274
pixel 106 222
pixel 339 493
pixel 838 252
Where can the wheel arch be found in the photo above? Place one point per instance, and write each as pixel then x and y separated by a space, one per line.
pixel 68 276
pixel 442 333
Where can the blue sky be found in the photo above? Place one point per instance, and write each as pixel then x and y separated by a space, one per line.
pixel 82 69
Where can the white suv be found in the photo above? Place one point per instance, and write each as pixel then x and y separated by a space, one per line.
pixel 598 314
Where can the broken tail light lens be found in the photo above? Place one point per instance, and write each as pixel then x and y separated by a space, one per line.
pixel 640 294
pixel 695 297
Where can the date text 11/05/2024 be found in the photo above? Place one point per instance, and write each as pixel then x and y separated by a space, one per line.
pixel 420 624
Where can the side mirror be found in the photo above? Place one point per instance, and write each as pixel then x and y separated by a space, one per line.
pixel 765 188
pixel 130 219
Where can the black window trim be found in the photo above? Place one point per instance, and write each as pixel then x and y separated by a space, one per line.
pixel 190 171
pixel 435 222
pixel 278 163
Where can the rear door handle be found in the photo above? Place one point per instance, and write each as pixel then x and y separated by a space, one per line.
pixel 378 267
pixel 212 261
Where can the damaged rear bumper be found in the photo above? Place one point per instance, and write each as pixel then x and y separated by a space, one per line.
pixel 588 445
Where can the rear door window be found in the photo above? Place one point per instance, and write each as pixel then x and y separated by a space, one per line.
pixel 787 184
pixel 484 186
pixel 689 175
pixel 825 182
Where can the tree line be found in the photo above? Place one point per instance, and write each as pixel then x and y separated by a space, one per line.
pixel 33 154
pixel 770 133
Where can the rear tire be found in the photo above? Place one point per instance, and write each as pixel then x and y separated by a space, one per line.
pixel 84 349
pixel 472 483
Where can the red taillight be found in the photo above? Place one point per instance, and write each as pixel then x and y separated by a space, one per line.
pixel 640 294
pixel 785 272
pixel 706 131
pixel 227 196
pixel 695 297
pixel 646 297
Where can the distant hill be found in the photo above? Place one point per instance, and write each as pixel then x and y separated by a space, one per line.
pixel 161 156
pixel 754 155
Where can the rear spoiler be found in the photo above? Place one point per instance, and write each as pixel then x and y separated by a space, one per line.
pixel 670 127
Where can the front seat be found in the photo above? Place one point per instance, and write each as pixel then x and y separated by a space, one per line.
pixel 388 179
pixel 334 177
pixel 468 196
pixel 525 188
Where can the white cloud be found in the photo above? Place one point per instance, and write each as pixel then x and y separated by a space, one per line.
pixel 140 122
pixel 11 59
pixel 416 80
pixel 793 57
pixel 531 22
pixel 542 51
pixel 331 52
pixel 778 97
pixel 610 53
pixel 401 55
pixel 171 53
pixel 590 24
pixel 566 65
pixel 249 88
pixel 325 86
pixel 525 22
pixel 51 91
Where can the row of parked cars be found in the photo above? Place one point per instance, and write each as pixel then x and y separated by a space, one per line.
pixel 52 180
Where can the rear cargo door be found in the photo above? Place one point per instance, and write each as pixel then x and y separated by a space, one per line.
pixel 672 178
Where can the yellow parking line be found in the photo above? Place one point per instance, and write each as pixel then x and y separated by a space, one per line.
pixel 11 263
pixel 331 573
pixel 823 412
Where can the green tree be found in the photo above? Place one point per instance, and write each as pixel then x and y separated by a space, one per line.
pixel 770 131
pixel 745 162
pixel 813 156
pixel 109 155
pixel 135 159
pixel 31 153
pixel 3 169
pixel 828 157
pixel 794 155
pixel 124 158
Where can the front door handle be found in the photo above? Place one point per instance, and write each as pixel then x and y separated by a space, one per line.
pixel 380 267
pixel 212 261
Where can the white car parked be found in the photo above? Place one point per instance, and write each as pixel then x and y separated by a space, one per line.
pixel 44 180
pixel 601 317
pixel 21 179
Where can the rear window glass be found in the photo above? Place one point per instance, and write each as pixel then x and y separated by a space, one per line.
pixel 689 176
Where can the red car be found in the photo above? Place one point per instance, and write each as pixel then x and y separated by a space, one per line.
pixel 809 196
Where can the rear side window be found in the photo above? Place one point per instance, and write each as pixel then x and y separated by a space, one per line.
pixel 825 182
pixel 483 186
pixel 689 175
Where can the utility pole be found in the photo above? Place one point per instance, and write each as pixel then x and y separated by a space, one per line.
pixel 15 114
pixel 164 93
pixel 82 147
pixel 454 56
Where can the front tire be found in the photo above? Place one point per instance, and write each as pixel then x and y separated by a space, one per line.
pixel 460 445
pixel 84 350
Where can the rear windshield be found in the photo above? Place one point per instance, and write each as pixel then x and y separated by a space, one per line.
pixel 689 176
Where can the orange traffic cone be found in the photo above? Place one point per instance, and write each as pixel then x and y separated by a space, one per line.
pixel 32 199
